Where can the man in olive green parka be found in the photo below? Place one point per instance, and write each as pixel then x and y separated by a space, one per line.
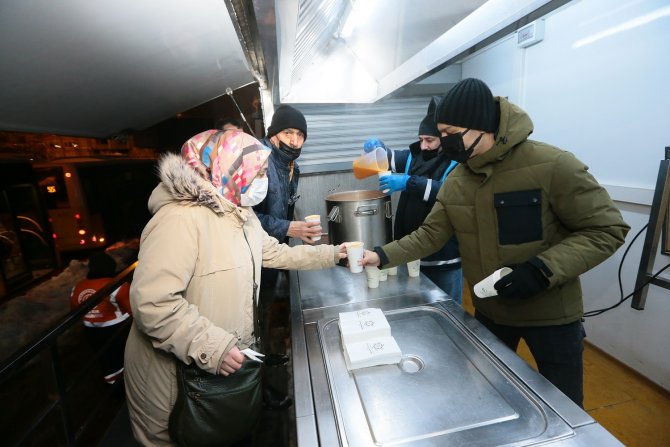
pixel 522 204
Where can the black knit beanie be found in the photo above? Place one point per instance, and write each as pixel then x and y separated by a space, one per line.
pixel 432 105
pixel 101 265
pixel 287 117
pixel 468 104
pixel 428 126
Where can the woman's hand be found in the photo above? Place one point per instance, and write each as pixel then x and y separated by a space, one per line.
pixel 343 251
pixel 231 362
pixel 370 258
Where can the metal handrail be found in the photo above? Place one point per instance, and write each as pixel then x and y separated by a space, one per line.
pixel 23 356
pixel 48 341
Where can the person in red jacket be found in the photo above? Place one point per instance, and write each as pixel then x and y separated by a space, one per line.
pixel 102 322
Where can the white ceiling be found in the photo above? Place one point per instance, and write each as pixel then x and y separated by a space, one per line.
pixel 98 67
pixel 101 67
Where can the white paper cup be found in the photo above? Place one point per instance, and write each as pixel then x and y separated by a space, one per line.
pixel 354 254
pixel 414 268
pixel 314 218
pixel 382 174
pixel 383 275
pixel 485 289
pixel 393 271
pixel 372 274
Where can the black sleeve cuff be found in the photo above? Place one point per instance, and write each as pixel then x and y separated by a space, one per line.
pixel 383 259
pixel 541 266
pixel 416 185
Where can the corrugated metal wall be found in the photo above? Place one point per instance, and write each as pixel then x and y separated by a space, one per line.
pixel 336 132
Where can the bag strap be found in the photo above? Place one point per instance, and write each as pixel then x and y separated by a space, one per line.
pixel 257 326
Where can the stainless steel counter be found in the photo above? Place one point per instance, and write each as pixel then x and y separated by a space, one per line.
pixel 457 384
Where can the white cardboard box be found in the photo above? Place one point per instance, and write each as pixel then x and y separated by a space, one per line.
pixel 372 352
pixel 363 325
pixel 367 340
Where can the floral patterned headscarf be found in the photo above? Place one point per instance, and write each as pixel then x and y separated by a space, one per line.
pixel 229 160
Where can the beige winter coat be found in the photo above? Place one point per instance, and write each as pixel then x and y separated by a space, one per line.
pixel 192 290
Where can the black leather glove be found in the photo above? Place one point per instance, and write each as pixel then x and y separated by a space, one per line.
pixel 524 281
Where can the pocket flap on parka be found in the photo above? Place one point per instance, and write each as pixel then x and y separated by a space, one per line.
pixel 519 216
pixel 218 265
pixel 518 198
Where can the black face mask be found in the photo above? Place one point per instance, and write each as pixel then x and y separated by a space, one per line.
pixel 429 155
pixel 454 148
pixel 288 152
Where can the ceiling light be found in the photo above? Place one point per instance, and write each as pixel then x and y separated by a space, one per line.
pixel 630 24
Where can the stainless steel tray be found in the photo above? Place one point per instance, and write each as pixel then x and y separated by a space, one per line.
pixel 447 390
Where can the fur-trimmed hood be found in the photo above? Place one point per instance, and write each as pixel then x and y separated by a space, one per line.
pixel 180 183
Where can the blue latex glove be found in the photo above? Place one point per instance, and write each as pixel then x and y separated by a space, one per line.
pixel 373 143
pixel 393 182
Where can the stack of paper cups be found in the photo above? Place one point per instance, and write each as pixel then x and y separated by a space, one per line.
pixel 314 218
pixel 484 288
pixel 393 271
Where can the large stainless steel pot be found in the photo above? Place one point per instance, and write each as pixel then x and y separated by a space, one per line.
pixel 359 216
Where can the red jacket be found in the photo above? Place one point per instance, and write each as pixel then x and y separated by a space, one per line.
pixel 112 310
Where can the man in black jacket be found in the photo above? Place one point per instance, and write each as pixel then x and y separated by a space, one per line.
pixel 285 137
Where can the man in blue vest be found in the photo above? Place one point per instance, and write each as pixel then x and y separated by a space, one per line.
pixel 418 174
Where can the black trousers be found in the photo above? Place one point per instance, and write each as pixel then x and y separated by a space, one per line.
pixel 273 293
pixel 112 360
pixel 557 350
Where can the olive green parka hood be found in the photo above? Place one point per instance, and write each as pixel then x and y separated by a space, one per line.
pixel 515 126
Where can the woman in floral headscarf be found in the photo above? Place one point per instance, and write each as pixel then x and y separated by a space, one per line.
pixel 200 257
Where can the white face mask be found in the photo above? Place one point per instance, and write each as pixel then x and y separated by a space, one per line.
pixel 255 193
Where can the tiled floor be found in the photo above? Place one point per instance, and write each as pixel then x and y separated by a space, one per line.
pixel 629 406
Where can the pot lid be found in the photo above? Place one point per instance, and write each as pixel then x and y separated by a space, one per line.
pixel 355 196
